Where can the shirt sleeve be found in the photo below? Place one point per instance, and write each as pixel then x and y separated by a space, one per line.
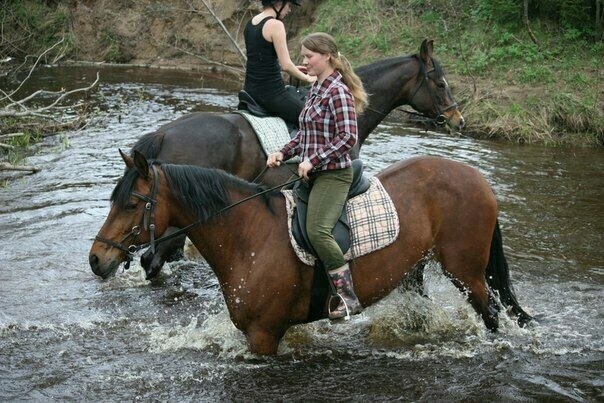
pixel 341 104
pixel 293 147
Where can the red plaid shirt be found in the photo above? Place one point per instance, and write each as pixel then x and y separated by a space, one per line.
pixel 328 126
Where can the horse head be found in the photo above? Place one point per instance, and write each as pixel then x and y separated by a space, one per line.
pixel 431 94
pixel 136 216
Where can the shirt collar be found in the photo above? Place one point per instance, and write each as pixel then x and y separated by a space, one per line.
pixel 319 89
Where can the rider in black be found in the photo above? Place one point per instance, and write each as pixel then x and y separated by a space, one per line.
pixel 267 56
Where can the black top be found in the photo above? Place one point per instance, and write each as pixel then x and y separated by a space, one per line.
pixel 263 73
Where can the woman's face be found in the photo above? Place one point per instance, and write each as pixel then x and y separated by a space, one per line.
pixel 316 63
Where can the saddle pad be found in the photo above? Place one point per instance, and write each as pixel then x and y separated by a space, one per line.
pixel 374 223
pixel 272 131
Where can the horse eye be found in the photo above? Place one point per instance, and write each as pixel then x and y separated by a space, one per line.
pixel 130 206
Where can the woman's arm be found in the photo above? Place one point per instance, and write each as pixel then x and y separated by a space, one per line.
pixel 276 33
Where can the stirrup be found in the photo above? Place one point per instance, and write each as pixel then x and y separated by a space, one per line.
pixel 329 311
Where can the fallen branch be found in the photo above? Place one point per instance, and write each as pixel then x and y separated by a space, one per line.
pixel 242 56
pixel 11 135
pixel 6 146
pixel 205 59
pixel 38 112
pixel 5 166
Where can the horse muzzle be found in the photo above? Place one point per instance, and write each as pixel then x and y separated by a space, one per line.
pixel 102 269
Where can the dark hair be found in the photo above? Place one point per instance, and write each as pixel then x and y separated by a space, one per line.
pixel 268 3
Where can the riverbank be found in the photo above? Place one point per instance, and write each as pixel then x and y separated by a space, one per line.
pixel 508 87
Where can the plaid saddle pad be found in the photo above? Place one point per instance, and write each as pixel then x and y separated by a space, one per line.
pixel 373 220
pixel 271 131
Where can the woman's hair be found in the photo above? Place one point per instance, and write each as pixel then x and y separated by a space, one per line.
pixel 325 44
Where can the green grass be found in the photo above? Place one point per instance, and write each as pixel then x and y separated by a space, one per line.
pixel 527 93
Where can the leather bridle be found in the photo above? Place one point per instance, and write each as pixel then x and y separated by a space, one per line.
pixel 147 222
pixel 440 119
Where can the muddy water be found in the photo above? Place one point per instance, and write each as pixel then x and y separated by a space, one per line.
pixel 64 334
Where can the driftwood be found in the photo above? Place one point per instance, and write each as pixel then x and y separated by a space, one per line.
pixel 5 166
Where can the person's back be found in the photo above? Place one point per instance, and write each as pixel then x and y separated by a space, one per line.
pixel 263 73
pixel 267 56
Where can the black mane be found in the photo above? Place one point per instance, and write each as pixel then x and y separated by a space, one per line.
pixel 202 191
pixel 379 67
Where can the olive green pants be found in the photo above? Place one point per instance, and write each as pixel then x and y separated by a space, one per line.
pixel 325 204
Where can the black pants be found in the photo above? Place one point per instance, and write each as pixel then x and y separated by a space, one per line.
pixel 285 105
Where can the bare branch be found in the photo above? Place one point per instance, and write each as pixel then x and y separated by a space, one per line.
pixel 6 146
pixel 205 59
pixel 242 56
pixel 39 112
pixel 32 69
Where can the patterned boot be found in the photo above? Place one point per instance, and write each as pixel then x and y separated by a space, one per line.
pixel 349 303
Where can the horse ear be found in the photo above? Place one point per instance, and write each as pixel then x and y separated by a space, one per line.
pixel 127 160
pixel 426 49
pixel 141 164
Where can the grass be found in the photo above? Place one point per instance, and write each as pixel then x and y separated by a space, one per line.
pixel 525 93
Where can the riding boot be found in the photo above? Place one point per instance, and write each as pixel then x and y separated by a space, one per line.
pixel 349 303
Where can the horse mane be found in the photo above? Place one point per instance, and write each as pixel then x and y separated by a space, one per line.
pixel 202 191
pixel 149 145
pixel 381 66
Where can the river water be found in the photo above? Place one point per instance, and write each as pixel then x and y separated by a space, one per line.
pixel 65 334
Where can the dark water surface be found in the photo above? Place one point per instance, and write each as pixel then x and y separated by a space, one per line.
pixel 65 334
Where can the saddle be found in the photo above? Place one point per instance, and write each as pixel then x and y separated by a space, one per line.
pixel 341 232
pixel 249 104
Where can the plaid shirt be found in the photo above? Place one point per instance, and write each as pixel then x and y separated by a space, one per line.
pixel 328 126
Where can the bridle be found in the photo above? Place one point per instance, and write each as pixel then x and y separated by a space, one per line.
pixel 440 119
pixel 147 221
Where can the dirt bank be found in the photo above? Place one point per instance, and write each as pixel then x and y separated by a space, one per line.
pixel 167 33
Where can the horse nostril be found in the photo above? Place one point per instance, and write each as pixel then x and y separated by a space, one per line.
pixel 94 261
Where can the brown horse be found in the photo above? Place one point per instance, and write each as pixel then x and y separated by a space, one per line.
pixel 447 210
pixel 227 142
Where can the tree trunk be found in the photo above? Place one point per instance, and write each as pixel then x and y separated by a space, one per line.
pixel 526 22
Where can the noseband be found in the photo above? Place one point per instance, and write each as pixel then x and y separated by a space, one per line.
pixel 147 223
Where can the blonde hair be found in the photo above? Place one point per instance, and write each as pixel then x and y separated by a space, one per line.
pixel 323 43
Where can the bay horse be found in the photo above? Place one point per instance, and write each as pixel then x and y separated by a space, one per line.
pixel 447 210
pixel 227 141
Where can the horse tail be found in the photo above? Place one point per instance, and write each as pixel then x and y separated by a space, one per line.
pixel 149 145
pixel 498 278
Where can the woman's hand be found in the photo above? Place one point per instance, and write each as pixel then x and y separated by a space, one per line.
pixel 304 168
pixel 274 159
pixel 311 79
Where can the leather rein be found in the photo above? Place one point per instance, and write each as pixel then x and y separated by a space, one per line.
pixel 147 221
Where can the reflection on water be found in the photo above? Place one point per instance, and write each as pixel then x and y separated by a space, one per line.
pixel 64 334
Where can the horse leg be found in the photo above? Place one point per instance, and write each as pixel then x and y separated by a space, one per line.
pixel 164 252
pixel 262 342
pixel 414 280
pixel 469 277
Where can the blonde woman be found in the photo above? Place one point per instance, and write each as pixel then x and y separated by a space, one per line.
pixel 328 131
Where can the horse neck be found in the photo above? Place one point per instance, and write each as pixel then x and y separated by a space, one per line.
pixel 227 241
pixel 388 86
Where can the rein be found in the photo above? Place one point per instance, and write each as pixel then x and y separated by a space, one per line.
pixel 148 220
